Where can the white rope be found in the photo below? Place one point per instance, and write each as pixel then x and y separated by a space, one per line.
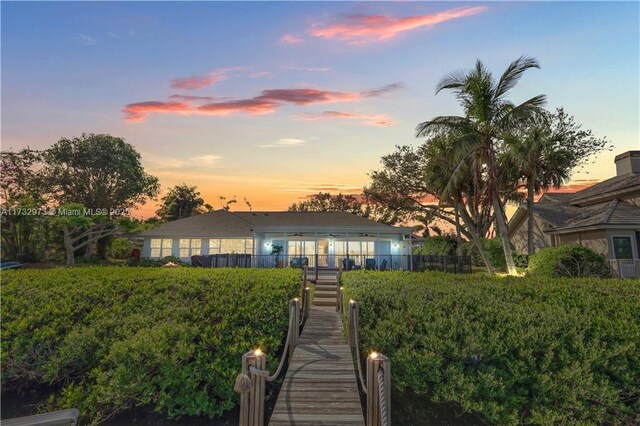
pixel 382 399
pixel 355 332
pixel 243 381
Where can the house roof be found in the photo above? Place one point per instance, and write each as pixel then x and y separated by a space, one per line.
pixel 242 224
pixel 608 189
pixel 615 212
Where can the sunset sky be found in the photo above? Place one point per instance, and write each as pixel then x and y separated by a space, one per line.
pixel 276 101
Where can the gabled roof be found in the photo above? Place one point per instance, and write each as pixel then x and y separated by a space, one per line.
pixel 224 223
pixel 609 189
pixel 615 212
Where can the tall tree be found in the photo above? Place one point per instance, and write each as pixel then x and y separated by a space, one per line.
pixel 543 153
pixel 99 171
pixel 182 201
pixel 325 202
pixel 21 203
pixel 488 114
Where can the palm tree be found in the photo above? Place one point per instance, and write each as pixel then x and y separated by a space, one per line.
pixel 450 180
pixel 488 116
pixel 538 159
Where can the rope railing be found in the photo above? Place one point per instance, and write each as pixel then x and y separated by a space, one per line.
pixel 377 388
pixel 250 383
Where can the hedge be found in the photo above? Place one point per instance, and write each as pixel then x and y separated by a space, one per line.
pixel 568 260
pixel 109 339
pixel 515 350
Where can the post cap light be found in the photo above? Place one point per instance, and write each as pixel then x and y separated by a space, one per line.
pixel 257 352
pixel 352 301
pixel 306 288
pixel 373 355
pixel 341 288
pixel 295 299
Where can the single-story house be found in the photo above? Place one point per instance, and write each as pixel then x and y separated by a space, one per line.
pixel 316 239
pixel 604 217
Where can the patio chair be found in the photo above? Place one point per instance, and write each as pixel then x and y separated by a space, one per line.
pixel 383 265
pixel 369 264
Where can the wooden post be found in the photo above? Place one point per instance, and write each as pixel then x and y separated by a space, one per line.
pixel 375 362
pixel 252 402
pixel 353 323
pixel 295 331
pixel 307 302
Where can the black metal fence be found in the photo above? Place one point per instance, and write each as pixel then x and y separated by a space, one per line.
pixel 330 264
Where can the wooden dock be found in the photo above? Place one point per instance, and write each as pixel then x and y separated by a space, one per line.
pixel 320 386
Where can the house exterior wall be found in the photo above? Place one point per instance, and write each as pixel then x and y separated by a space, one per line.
pixel 520 236
pixel 596 240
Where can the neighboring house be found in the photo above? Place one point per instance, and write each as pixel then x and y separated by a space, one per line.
pixel 314 239
pixel 604 217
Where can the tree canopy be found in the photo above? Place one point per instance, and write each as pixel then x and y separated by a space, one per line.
pixel 182 201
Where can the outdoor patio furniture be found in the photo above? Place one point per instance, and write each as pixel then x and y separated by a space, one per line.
pixel 299 262
pixel 370 264
pixel 383 265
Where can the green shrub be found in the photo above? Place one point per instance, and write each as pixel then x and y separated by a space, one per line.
pixel 516 350
pixel 494 249
pixel 115 338
pixel 120 248
pixel 440 245
pixel 568 260
pixel 521 260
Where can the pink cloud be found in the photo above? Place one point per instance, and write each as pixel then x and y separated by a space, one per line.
pixel 307 96
pixel 358 29
pixel 380 120
pixel 251 106
pixel 137 112
pixel 199 81
pixel 265 103
pixel 290 39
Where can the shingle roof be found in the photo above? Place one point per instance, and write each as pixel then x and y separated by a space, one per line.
pixel 608 188
pixel 241 224
pixel 555 208
pixel 614 212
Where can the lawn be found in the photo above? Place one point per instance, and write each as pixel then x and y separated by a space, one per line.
pixel 109 339
pixel 513 350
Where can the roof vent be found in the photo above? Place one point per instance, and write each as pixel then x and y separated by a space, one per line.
pixel 628 163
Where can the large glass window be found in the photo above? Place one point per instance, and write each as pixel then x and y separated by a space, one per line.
pixel 301 248
pixel 190 247
pixel 622 248
pixel 231 245
pixel 161 247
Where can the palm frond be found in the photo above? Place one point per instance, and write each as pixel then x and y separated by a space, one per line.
pixel 512 74
pixel 442 124
pixel 455 80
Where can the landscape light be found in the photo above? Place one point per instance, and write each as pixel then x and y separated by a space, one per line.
pixel 257 352
pixel 373 354
pixel 352 301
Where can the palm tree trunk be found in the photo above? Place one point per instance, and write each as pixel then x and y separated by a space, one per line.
pixel 531 247
pixel 458 237
pixel 477 241
pixel 502 232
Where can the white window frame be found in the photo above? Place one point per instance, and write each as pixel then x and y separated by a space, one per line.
pixel 248 245
pixel 189 248
pixel 165 248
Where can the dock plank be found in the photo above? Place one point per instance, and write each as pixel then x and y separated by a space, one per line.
pixel 320 386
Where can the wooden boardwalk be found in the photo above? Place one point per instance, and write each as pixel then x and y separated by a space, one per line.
pixel 320 387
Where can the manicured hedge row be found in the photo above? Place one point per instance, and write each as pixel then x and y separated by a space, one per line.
pixel 518 351
pixel 114 338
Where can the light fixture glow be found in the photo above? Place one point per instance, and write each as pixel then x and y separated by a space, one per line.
pixel 373 355
pixel 257 352
pixel 352 301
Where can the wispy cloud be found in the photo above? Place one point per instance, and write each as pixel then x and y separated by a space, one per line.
pixel 199 81
pixel 310 69
pixel 265 103
pixel 206 159
pixel 358 29
pixel 290 39
pixel 286 142
pixel 191 98
pixel 380 91
pixel 86 40
pixel 261 74
pixel 381 120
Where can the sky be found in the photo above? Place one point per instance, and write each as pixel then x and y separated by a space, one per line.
pixel 274 101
